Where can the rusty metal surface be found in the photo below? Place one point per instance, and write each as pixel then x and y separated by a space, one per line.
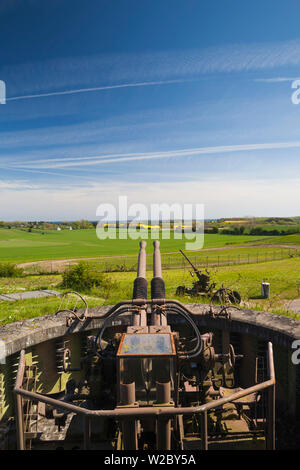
pixel 140 412
pixel 146 344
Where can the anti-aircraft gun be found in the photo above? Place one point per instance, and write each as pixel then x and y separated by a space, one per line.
pixel 203 287
pixel 151 379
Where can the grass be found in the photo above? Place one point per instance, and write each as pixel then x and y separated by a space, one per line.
pixel 283 275
pixel 27 283
pixel 234 255
pixel 31 308
pixel 266 227
pixel 281 240
pixel 20 246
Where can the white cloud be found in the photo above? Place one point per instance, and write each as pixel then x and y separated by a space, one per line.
pixel 221 197
pixel 275 79
pixel 94 89
pixel 117 158
pixel 19 184
pixel 70 75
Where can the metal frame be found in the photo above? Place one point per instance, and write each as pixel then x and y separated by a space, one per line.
pixel 138 303
pixel 145 355
pixel 157 412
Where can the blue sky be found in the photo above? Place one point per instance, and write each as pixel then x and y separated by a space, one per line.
pixel 162 101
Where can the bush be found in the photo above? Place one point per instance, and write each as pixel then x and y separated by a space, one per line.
pixel 10 270
pixel 83 278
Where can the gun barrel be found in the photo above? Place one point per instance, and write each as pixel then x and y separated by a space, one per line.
pixel 140 283
pixel 157 271
pixel 140 286
pixel 141 269
pixel 194 267
pixel 158 290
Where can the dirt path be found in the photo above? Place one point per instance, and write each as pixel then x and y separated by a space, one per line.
pixel 57 264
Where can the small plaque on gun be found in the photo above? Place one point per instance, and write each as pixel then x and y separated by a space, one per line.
pixel 158 344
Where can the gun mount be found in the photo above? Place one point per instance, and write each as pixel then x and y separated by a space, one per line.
pixel 203 287
pixel 153 386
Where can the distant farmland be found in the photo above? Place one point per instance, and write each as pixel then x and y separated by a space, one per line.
pixel 19 246
pixel 282 240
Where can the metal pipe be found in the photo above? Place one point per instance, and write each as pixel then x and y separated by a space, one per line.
pixel 163 433
pixel 270 440
pixel 129 426
pixel 163 425
pixel 20 423
pixel 163 393
pixel 19 403
pixel 127 394
pixel 141 269
pixel 144 411
pixel 157 285
pixel 140 287
pixel 181 310
pixel 86 432
pixel 157 271
pixel 199 345
pixel 156 319
pixel 177 308
pixel 138 302
pixel 129 429
pixel 204 441
pixel 271 369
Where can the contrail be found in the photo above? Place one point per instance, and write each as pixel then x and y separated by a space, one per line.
pixel 105 159
pixel 100 88
pixel 276 79
pixel 52 173
pixel 159 66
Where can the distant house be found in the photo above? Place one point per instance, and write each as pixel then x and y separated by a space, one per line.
pixel 58 229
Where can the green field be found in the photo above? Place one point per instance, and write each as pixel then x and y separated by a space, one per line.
pixel 239 267
pixel 281 240
pixel 236 255
pixel 19 246
pixel 283 275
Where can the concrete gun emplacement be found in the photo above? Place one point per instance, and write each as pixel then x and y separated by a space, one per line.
pixel 151 379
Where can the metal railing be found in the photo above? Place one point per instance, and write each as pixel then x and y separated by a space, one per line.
pixel 127 263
